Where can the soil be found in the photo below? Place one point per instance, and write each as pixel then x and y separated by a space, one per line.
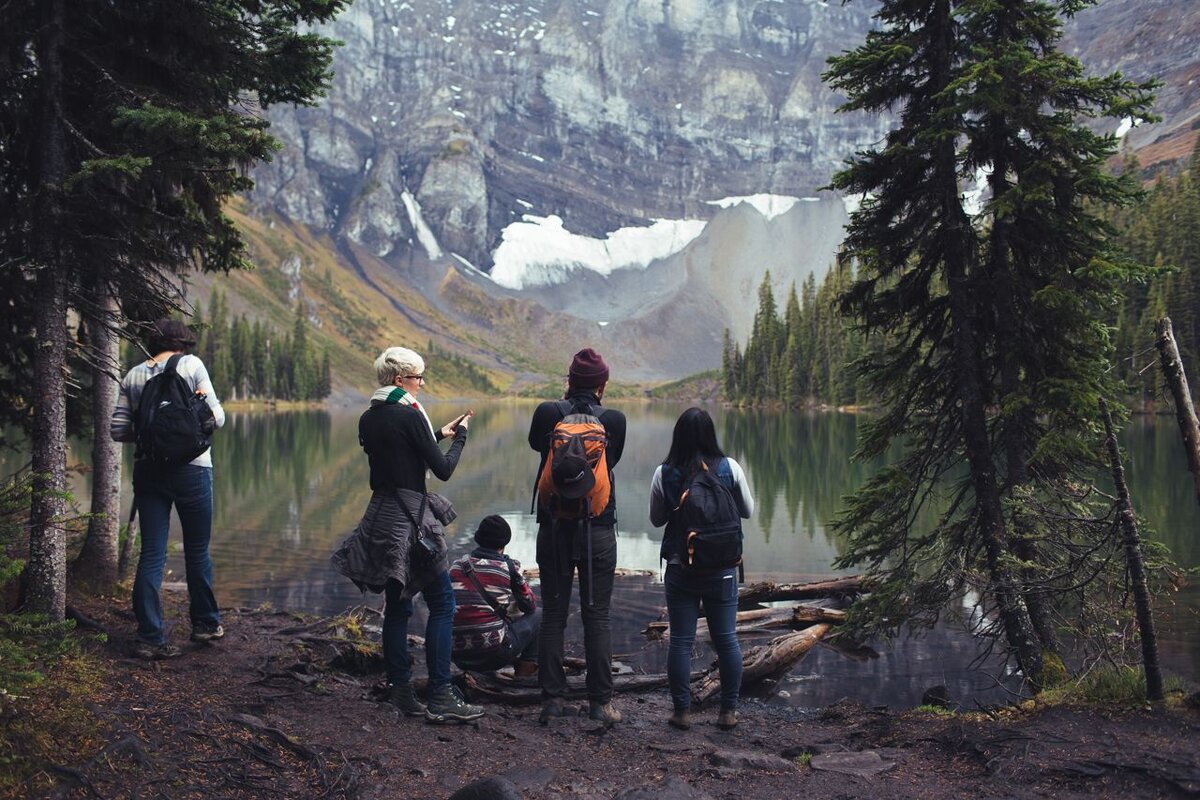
pixel 261 714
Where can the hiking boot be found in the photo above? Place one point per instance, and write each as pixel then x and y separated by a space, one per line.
pixel 402 696
pixel 207 633
pixel 525 669
pixel 680 719
pixel 153 652
pixel 727 719
pixel 551 708
pixel 604 712
pixel 447 705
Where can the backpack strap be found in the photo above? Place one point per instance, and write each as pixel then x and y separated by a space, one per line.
pixel 564 407
pixel 172 365
pixel 416 521
pixel 469 570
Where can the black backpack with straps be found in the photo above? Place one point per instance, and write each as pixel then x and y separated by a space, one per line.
pixel 708 523
pixel 173 424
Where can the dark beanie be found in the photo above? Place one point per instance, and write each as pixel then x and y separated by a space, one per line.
pixel 587 369
pixel 493 532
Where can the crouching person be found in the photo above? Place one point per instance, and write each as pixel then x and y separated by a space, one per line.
pixel 496 618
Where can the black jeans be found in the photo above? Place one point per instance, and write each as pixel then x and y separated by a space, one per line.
pixel 562 549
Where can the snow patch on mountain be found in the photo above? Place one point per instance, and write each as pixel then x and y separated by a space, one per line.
pixel 540 251
pixel 769 205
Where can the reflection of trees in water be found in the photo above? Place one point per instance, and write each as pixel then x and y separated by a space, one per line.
pixel 801 458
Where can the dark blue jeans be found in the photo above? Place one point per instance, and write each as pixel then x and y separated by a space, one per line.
pixel 719 594
pixel 439 597
pixel 190 489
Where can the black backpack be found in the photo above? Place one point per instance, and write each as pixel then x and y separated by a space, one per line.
pixel 708 523
pixel 173 424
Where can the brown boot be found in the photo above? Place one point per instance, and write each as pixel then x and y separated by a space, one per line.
pixel 680 719
pixel 727 719
pixel 604 712
pixel 525 669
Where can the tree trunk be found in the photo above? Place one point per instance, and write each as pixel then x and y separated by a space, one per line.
pixel 1185 412
pixel 959 254
pixel 47 569
pixel 1137 569
pixel 99 561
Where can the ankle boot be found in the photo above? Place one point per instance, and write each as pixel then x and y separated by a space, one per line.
pixel 402 696
pixel 604 712
pixel 680 719
pixel 727 719
pixel 447 705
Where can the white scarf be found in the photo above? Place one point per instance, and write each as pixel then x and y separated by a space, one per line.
pixel 395 395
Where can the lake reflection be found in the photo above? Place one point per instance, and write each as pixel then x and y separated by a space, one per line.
pixel 288 486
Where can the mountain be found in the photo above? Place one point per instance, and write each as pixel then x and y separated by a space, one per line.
pixel 551 173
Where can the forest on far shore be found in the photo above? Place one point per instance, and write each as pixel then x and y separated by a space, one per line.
pixel 804 353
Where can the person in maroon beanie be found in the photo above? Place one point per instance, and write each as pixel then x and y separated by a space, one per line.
pixel 560 549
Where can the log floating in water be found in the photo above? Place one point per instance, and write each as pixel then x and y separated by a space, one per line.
pixel 759 618
pixel 767 592
pixel 769 660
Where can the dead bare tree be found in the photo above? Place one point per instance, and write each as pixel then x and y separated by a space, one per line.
pixel 1136 565
pixel 1185 412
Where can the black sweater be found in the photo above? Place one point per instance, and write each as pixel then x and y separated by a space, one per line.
pixel 400 447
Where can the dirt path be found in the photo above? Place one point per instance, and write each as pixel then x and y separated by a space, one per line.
pixel 259 714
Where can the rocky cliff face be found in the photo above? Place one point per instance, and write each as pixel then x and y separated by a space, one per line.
pixel 449 120
pixel 606 113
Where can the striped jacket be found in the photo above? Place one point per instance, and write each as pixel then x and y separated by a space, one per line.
pixel 478 629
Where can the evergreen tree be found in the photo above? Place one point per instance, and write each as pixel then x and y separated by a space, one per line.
pixel 977 317
pixel 124 128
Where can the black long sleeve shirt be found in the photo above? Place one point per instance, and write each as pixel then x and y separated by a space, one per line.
pixel 400 447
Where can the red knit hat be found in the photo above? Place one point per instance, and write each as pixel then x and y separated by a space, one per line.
pixel 587 369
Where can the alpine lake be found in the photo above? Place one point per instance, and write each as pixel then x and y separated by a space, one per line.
pixel 290 485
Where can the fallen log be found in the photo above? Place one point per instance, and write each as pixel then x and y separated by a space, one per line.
pixel 758 619
pixel 768 592
pixel 499 687
pixel 758 663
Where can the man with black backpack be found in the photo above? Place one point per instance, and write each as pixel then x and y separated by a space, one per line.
pixel 167 405
pixel 580 443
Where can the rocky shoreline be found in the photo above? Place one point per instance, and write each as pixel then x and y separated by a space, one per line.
pixel 262 713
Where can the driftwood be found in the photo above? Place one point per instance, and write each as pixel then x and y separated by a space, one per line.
pixel 757 619
pixel 1185 412
pixel 776 657
pixel 768 592
pixel 500 687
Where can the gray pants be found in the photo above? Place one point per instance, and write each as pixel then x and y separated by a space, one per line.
pixel 561 550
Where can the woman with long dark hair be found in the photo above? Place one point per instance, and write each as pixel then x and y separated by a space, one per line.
pixel 693 448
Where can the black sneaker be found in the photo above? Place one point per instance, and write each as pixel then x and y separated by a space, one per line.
pixel 153 652
pixel 447 705
pixel 206 633
pixel 402 696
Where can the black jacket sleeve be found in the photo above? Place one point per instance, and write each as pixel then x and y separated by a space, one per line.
pixel 441 465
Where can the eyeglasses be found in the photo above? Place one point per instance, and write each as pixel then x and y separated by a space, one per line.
pixel 420 378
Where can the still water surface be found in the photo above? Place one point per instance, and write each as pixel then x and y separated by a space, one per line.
pixel 288 486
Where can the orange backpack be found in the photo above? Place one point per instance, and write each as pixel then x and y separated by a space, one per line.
pixel 574 481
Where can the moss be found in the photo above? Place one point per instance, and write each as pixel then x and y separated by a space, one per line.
pixel 1112 687
pixel 50 724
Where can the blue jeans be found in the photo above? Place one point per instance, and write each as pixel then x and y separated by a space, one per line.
pixel 719 593
pixel 190 489
pixel 520 644
pixel 439 597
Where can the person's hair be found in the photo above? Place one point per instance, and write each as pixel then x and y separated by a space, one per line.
pixel 694 438
pixel 397 362
pixel 169 334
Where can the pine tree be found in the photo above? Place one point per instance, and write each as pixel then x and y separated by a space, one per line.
pixel 979 317
pixel 124 129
